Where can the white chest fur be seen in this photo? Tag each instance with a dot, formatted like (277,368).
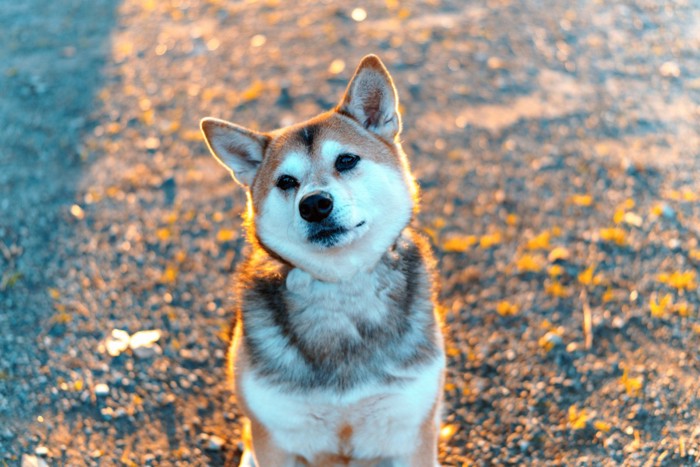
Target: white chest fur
(370,422)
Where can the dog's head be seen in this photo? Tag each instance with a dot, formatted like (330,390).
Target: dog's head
(331,194)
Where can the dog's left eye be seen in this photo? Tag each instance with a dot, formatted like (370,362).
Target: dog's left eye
(346,162)
(285,182)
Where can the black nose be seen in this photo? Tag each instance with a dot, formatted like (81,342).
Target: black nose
(316,206)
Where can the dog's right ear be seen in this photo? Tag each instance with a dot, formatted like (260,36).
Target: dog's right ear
(238,149)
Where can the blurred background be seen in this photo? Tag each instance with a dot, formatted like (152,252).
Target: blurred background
(556,144)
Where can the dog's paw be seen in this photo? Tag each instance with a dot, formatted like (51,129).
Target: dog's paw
(247,460)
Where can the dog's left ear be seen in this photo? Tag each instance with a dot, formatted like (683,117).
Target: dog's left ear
(371,99)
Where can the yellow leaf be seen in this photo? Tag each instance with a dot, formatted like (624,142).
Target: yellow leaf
(577,418)
(602,426)
(54,293)
(581,200)
(529,263)
(555,270)
(169,275)
(607,295)
(512,219)
(660,308)
(505,308)
(439,222)
(225,235)
(688,195)
(459,243)
(586,277)
(163,234)
(657,209)
(555,289)
(695,254)
(619,216)
(540,242)
(613,234)
(253,91)
(489,240)
(633,386)
(78,385)
(558,254)
(191,135)
(679,280)
(683,309)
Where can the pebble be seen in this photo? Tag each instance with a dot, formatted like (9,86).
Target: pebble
(101,390)
(670,70)
(42,451)
(33,461)
(215,443)
(143,344)
(117,342)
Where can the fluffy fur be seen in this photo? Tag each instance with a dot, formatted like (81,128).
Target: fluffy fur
(337,352)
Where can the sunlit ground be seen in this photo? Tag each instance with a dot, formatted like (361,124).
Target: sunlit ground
(557,150)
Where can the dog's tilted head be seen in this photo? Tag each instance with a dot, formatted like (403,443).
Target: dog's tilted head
(331,194)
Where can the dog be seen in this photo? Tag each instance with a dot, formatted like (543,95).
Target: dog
(337,354)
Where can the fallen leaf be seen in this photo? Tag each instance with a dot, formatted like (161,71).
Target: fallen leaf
(581,200)
(577,418)
(632,385)
(529,263)
(660,308)
(505,308)
(459,243)
(613,234)
(540,242)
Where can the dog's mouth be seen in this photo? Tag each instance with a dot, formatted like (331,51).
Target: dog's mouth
(328,236)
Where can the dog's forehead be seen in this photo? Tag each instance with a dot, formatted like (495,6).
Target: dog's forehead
(323,138)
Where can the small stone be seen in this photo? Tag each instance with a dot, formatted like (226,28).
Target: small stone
(101,390)
(107,413)
(215,443)
(670,70)
(96,454)
(33,461)
(42,451)
(668,212)
(117,342)
(143,344)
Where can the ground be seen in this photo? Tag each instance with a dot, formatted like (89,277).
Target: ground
(556,144)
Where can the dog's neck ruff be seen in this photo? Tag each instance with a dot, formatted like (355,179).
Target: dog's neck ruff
(302,333)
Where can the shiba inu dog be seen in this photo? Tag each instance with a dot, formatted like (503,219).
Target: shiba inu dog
(337,356)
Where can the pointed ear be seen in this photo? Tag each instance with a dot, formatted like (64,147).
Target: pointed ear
(371,99)
(238,149)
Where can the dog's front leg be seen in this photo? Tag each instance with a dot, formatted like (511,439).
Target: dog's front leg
(267,453)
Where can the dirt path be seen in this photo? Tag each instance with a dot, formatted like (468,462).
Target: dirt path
(556,148)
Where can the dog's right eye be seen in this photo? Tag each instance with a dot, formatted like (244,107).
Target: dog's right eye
(285,182)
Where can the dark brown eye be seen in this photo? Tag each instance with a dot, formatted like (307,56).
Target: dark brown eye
(286,182)
(346,162)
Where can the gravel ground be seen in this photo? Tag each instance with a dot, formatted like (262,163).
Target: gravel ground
(557,147)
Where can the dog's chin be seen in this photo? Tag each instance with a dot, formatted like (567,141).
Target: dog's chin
(336,236)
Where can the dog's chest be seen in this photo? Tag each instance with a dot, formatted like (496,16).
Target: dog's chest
(375,421)
(327,315)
